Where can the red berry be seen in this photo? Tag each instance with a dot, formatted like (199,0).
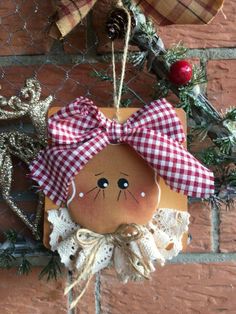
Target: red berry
(181,72)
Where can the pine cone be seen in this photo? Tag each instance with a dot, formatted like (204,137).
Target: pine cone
(116,25)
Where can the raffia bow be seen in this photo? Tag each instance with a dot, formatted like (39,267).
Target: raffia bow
(122,238)
(163,12)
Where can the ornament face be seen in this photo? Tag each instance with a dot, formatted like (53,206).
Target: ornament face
(115,187)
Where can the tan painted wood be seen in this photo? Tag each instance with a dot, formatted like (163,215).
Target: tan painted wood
(169,198)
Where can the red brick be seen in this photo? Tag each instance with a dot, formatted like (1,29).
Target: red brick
(175,289)
(24,27)
(86,304)
(67,82)
(76,41)
(221,83)
(28,294)
(200,227)
(9,220)
(228,230)
(219,33)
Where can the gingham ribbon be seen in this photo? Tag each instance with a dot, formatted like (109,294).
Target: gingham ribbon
(79,131)
(163,12)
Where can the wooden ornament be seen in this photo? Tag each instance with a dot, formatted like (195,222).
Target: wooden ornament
(117,186)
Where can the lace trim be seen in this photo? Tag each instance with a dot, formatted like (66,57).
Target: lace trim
(162,240)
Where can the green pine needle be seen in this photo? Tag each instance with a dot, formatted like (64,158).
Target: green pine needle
(225,144)
(230,179)
(6,258)
(230,114)
(200,132)
(102,75)
(148,28)
(161,89)
(211,156)
(51,271)
(125,102)
(24,267)
(177,52)
(199,76)
(11,235)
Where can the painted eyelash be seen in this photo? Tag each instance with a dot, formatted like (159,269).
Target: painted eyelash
(133,196)
(119,194)
(91,190)
(97,194)
(118,197)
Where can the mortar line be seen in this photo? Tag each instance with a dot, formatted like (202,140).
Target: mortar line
(92,57)
(218,53)
(70,295)
(41,259)
(97,293)
(205,258)
(203,65)
(215,228)
(215,221)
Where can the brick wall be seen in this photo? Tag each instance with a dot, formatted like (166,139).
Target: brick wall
(201,280)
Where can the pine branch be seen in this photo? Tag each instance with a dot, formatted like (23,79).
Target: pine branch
(25,267)
(52,270)
(208,121)
(6,258)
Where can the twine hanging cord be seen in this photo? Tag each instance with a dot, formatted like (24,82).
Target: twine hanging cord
(94,241)
(117,238)
(117,93)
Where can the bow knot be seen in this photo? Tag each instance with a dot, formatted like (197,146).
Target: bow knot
(124,234)
(117,131)
(80,131)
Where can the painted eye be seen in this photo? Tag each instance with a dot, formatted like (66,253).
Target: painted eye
(123,183)
(102,183)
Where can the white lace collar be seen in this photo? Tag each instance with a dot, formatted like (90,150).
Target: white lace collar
(161,241)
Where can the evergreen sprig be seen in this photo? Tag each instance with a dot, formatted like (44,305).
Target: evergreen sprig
(225,144)
(161,88)
(200,131)
(25,266)
(11,236)
(7,258)
(230,114)
(102,75)
(52,270)
(230,178)
(177,52)
(199,76)
(211,156)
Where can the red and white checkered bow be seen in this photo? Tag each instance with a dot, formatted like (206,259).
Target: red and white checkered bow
(79,131)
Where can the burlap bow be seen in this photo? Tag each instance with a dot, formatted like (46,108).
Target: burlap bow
(93,242)
(163,12)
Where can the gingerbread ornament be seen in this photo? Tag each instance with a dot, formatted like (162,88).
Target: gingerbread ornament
(105,177)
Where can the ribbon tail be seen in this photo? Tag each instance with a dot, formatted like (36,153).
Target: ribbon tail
(165,12)
(53,171)
(70,13)
(180,170)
